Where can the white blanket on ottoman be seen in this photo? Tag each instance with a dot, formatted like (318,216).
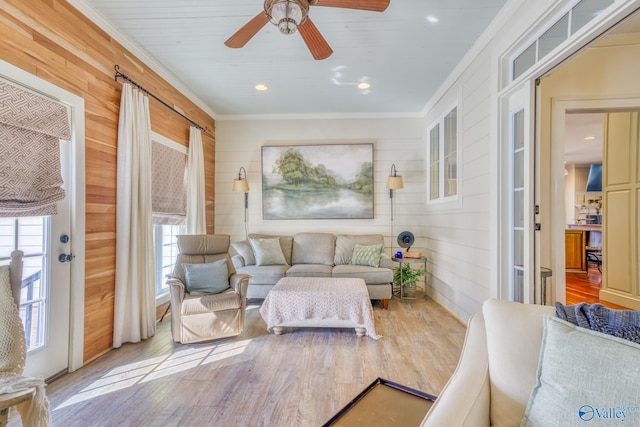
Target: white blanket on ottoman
(317,299)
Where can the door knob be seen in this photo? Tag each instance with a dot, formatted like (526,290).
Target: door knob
(66,257)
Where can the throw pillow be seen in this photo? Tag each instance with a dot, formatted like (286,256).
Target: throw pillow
(366,255)
(267,251)
(208,278)
(584,377)
(244,249)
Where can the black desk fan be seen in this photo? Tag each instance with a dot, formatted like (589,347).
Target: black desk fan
(406,239)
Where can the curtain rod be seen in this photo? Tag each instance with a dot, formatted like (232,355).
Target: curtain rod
(139,86)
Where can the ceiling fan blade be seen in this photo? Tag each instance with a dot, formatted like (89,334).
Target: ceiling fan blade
(318,46)
(250,29)
(372,5)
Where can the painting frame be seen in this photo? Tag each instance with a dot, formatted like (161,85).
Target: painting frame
(317,181)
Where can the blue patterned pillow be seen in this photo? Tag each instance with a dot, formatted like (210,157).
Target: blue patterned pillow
(368,255)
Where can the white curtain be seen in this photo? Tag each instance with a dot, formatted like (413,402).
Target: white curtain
(196,219)
(135,309)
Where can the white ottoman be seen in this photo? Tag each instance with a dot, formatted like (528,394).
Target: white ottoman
(319,302)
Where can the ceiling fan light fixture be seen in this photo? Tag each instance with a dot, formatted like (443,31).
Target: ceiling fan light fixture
(287,15)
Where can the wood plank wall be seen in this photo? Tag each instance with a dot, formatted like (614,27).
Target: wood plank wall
(52,40)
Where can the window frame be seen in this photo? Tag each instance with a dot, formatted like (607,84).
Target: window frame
(440,123)
(159,246)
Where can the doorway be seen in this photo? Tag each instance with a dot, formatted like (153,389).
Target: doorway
(583,162)
(53,291)
(597,79)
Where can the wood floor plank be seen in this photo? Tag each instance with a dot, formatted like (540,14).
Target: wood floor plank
(300,378)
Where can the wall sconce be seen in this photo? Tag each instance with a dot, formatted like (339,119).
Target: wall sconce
(241,185)
(394,182)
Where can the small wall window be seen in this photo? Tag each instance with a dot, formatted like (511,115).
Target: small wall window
(442,158)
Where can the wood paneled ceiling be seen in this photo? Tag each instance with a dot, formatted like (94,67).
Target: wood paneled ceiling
(404,53)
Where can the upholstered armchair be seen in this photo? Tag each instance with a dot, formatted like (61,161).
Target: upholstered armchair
(198,313)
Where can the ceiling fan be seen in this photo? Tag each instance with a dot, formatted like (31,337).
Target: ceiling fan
(292,15)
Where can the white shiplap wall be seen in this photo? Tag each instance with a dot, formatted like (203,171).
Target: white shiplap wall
(458,240)
(399,141)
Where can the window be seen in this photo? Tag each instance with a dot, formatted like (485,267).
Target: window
(442,159)
(165,249)
(169,207)
(579,16)
(29,235)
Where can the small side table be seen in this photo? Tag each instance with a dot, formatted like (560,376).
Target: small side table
(410,261)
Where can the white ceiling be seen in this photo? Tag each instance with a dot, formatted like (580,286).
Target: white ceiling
(579,129)
(399,52)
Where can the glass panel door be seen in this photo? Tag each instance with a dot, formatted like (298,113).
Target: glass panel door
(516,247)
(518,207)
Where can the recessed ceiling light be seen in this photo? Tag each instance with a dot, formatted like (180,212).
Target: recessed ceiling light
(590,138)
(432,19)
(261,87)
(364,85)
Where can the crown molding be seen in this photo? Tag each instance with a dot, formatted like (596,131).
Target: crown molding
(140,54)
(321,116)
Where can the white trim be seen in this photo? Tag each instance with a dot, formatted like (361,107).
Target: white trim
(77,201)
(161,139)
(321,116)
(88,11)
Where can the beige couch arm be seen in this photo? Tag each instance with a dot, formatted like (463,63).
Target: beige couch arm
(239,283)
(465,399)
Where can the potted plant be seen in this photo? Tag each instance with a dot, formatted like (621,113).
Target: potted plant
(407,278)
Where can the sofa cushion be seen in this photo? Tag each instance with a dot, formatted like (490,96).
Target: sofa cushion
(346,242)
(309,270)
(370,275)
(206,279)
(286,243)
(514,336)
(243,248)
(267,251)
(264,275)
(584,377)
(313,248)
(368,255)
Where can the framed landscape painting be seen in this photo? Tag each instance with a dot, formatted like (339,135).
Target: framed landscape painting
(332,181)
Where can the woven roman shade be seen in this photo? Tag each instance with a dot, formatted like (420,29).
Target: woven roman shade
(31,127)
(168,187)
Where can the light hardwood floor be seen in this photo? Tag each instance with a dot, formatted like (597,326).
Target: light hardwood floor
(300,378)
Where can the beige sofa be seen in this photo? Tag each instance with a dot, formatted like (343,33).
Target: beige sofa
(315,255)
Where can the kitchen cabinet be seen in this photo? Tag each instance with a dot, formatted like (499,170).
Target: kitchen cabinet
(574,244)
